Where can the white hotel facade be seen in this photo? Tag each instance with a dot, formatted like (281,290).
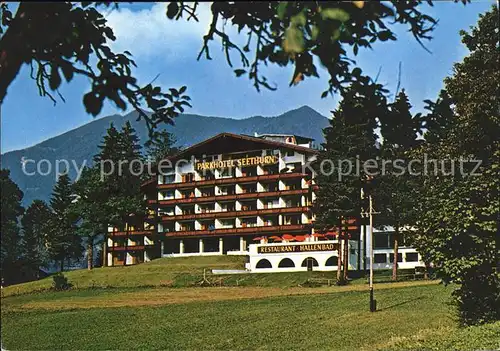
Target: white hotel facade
(241,195)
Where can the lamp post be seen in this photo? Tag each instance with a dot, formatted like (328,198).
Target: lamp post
(373,302)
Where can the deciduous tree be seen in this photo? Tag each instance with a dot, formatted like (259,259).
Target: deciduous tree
(457,211)
(65,39)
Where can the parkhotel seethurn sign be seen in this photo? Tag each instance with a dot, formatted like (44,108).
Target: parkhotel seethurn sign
(247,161)
(297,248)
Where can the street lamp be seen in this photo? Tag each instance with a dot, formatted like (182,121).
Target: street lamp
(373,302)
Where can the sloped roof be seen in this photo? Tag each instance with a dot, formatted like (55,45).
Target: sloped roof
(241,138)
(228,142)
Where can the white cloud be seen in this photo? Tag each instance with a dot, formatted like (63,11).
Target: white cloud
(150,33)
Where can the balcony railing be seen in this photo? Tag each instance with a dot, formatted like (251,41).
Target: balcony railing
(234,196)
(247,230)
(132,232)
(229,214)
(131,247)
(233,180)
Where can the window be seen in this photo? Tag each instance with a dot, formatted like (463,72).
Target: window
(381,241)
(412,257)
(264,264)
(311,261)
(290,153)
(332,261)
(380,258)
(391,257)
(286,263)
(227,173)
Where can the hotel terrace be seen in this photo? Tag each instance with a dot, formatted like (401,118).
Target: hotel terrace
(226,192)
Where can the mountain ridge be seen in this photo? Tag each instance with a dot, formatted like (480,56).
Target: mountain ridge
(80,144)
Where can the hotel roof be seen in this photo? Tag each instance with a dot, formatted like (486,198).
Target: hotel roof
(219,144)
(225,143)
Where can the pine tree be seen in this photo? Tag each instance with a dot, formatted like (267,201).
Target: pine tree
(11,209)
(110,198)
(63,242)
(108,157)
(91,207)
(161,147)
(395,191)
(349,139)
(35,231)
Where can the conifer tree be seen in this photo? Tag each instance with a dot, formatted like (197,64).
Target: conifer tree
(63,242)
(396,188)
(10,239)
(91,208)
(35,231)
(109,192)
(349,139)
(162,147)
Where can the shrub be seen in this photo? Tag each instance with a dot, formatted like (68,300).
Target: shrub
(478,297)
(60,282)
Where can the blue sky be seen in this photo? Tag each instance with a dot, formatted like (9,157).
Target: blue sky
(170,49)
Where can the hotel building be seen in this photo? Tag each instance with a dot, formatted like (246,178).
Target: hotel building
(219,195)
(230,194)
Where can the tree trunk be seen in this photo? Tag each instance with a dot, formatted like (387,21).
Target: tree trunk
(346,256)
(395,260)
(90,252)
(339,252)
(62,264)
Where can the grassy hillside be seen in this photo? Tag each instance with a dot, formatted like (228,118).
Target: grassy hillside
(163,271)
(178,272)
(408,317)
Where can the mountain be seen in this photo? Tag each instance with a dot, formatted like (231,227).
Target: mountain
(80,144)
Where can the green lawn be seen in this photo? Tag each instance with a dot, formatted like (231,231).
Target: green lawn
(175,272)
(409,317)
(164,271)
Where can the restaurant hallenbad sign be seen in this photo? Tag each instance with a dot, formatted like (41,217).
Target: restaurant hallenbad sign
(246,161)
(297,248)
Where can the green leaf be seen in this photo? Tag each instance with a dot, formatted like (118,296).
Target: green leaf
(55,78)
(356,72)
(172,10)
(92,103)
(281,9)
(299,19)
(67,69)
(385,35)
(335,14)
(314,32)
(239,72)
(294,40)
(182,90)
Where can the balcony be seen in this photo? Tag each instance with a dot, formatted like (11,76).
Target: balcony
(131,232)
(246,213)
(131,248)
(233,180)
(234,196)
(272,229)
